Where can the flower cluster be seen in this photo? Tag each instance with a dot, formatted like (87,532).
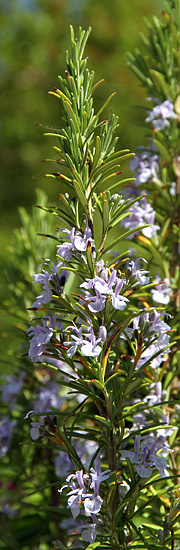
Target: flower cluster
(162,292)
(161,114)
(152,414)
(153,328)
(87,342)
(84,491)
(78,242)
(52,283)
(146,457)
(40,336)
(145,166)
(139,275)
(104,286)
(142,213)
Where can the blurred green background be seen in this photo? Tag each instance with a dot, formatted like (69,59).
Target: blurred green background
(34,35)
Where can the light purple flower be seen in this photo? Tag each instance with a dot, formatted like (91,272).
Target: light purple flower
(162,292)
(150,323)
(77,493)
(92,504)
(87,342)
(145,167)
(152,415)
(152,326)
(147,457)
(89,533)
(156,323)
(77,340)
(142,213)
(97,476)
(148,353)
(161,114)
(102,333)
(139,274)
(119,301)
(80,485)
(95,303)
(40,336)
(78,242)
(104,285)
(52,283)
(91,349)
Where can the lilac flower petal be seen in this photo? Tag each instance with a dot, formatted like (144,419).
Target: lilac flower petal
(92,505)
(89,534)
(90,350)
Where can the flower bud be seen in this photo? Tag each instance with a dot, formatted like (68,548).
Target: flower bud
(102,333)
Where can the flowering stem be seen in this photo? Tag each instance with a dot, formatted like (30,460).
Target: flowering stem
(176,258)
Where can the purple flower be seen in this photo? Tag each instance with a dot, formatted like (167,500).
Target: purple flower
(52,283)
(118,301)
(78,242)
(81,242)
(102,333)
(139,274)
(142,213)
(97,476)
(161,114)
(77,340)
(147,354)
(145,167)
(87,342)
(156,323)
(80,485)
(147,457)
(91,349)
(92,504)
(40,336)
(151,326)
(95,303)
(104,285)
(89,533)
(153,414)
(77,493)
(162,292)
